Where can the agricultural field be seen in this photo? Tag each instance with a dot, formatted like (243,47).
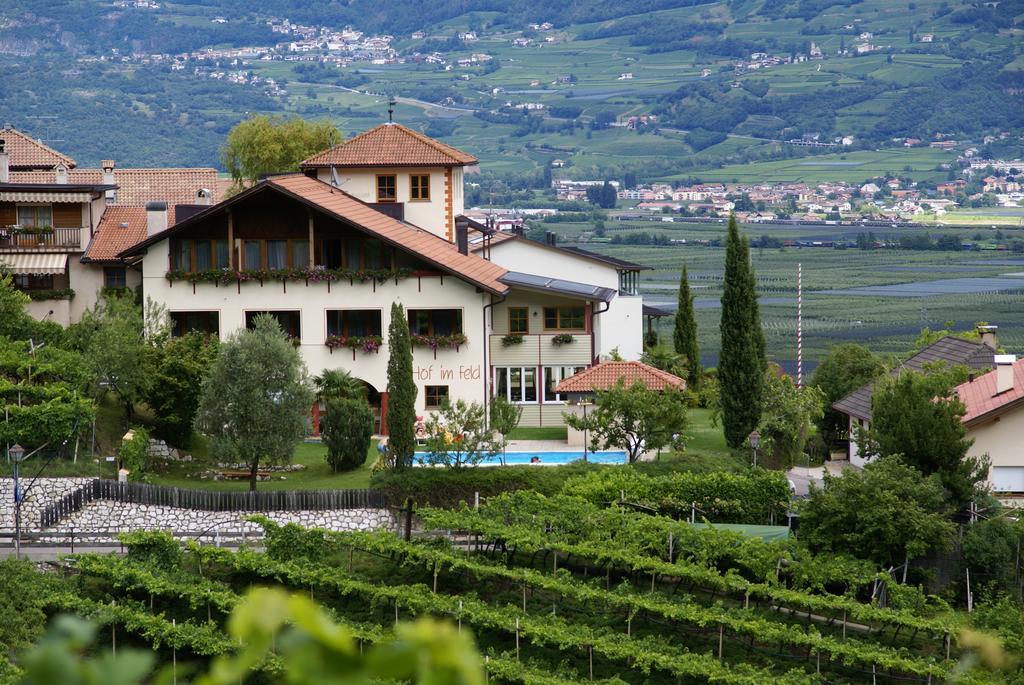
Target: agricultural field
(879,298)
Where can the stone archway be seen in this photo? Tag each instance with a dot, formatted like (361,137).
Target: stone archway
(378,406)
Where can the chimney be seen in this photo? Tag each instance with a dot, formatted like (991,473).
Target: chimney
(1004,372)
(462,236)
(5,163)
(156,217)
(550,238)
(518,230)
(62,174)
(107,165)
(204,196)
(988,336)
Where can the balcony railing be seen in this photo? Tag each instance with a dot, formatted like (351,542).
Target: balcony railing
(20,238)
(396,210)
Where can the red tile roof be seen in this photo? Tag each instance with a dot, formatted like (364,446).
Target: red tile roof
(120,228)
(389,145)
(606,374)
(175,186)
(25,152)
(333,201)
(980,398)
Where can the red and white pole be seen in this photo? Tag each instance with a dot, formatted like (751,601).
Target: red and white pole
(799,327)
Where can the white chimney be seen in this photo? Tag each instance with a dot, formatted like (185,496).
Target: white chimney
(62,174)
(107,165)
(204,196)
(1004,372)
(156,217)
(5,163)
(988,336)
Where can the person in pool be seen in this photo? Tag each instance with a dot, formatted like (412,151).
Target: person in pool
(535,459)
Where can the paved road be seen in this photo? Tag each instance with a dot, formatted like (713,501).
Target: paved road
(48,553)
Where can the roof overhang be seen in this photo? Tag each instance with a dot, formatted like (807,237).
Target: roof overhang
(585,291)
(51,192)
(34,263)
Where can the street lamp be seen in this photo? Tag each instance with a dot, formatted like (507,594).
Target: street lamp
(16,454)
(585,404)
(755,440)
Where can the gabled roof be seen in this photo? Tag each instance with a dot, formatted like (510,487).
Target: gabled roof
(605,375)
(950,349)
(501,237)
(137,186)
(120,228)
(335,202)
(25,152)
(614,261)
(389,145)
(980,398)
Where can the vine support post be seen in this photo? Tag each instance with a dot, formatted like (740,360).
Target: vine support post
(524,596)
(487,670)
(350,558)
(874,676)
(517,639)
(113,633)
(174,656)
(844,624)
(629,625)
(947,645)
(817,654)
(435,579)
(590,650)
(460,615)
(396,611)
(721,640)
(671,544)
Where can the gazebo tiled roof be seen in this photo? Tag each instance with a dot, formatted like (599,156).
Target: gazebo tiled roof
(606,375)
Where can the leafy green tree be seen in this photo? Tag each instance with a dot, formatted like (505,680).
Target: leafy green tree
(742,362)
(633,419)
(505,416)
(845,368)
(887,513)
(256,398)
(15,322)
(401,391)
(263,144)
(347,431)
(684,335)
(134,454)
(918,416)
(787,415)
(989,550)
(180,366)
(457,435)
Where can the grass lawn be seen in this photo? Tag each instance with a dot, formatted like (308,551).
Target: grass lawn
(316,476)
(705,449)
(539,433)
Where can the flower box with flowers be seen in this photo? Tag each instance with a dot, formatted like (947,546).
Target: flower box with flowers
(562,339)
(434,342)
(318,274)
(366,343)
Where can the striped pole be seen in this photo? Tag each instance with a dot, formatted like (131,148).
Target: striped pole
(799,327)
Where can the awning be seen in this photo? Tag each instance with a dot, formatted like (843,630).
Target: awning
(34,263)
(558,286)
(42,196)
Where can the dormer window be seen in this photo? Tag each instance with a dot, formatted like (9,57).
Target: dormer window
(387,188)
(419,187)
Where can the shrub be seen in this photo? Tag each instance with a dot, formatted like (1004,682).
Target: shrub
(134,454)
(347,430)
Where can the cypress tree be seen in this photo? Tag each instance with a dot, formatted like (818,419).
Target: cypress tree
(742,362)
(684,336)
(401,390)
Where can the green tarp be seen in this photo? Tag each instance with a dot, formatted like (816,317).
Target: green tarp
(766,533)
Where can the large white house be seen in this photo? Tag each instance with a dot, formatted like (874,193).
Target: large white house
(377,220)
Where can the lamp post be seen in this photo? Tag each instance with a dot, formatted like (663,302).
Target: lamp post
(755,440)
(585,404)
(16,453)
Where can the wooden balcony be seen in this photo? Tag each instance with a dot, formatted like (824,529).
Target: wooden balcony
(57,238)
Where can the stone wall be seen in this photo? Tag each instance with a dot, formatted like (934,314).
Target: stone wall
(121,516)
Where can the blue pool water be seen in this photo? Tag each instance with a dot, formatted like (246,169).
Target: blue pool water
(548,458)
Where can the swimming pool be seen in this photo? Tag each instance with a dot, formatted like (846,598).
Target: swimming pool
(546,458)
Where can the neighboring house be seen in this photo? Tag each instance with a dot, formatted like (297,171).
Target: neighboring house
(400,172)
(580,388)
(995,421)
(950,350)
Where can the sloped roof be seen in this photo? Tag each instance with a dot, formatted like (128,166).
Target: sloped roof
(120,228)
(605,375)
(322,196)
(26,152)
(558,286)
(950,349)
(137,186)
(501,237)
(614,261)
(981,400)
(389,145)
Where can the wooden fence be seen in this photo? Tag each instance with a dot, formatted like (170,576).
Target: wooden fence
(206,500)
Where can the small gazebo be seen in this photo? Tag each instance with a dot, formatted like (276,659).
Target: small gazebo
(580,388)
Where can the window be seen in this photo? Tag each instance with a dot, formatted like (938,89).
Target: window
(201,322)
(300,254)
(252,252)
(516,383)
(629,282)
(355,253)
(35,215)
(353,322)
(277,254)
(272,254)
(33,281)
(199,255)
(419,187)
(518,320)
(435,321)
(387,188)
(553,375)
(436,395)
(564,318)
(289,320)
(115,277)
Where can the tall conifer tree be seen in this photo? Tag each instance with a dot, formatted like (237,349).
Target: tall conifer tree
(684,336)
(742,363)
(401,415)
